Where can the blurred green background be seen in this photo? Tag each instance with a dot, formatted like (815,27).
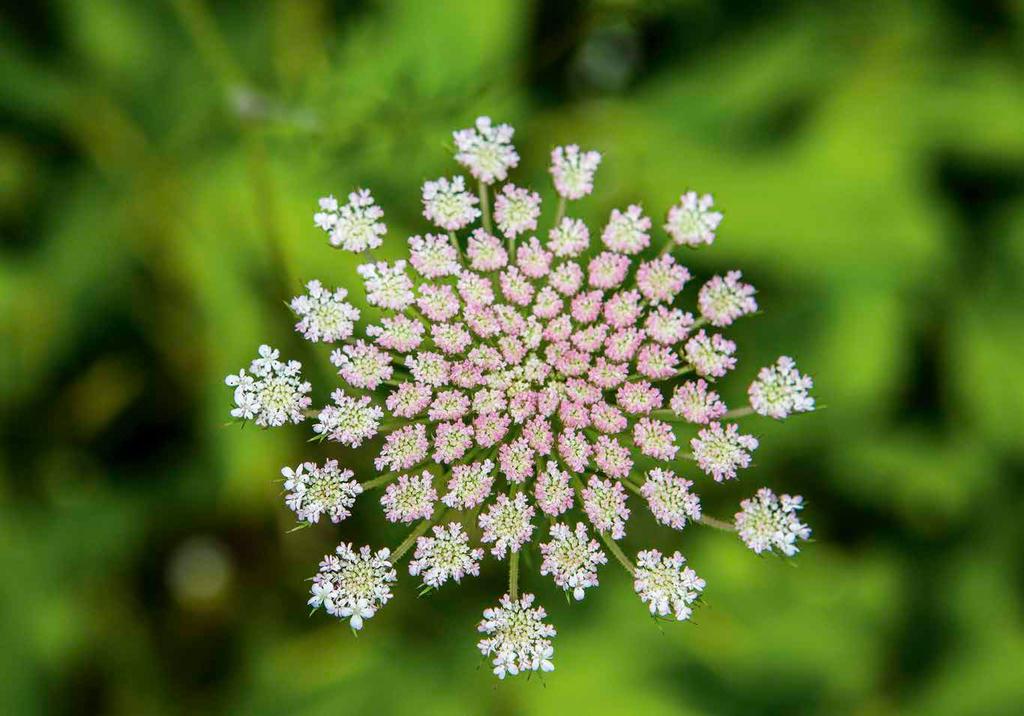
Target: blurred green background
(159,165)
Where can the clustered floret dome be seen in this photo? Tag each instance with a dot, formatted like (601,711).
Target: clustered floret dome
(515,371)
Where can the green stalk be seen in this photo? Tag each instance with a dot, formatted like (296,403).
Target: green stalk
(513,575)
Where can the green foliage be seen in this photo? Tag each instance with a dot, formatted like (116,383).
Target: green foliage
(159,165)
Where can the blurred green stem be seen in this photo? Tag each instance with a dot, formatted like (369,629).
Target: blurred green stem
(485,207)
(717,524)
(560,211)
(513,575)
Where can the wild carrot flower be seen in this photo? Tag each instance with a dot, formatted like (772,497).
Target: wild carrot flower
(695,403)
(313,491)
(723,300)
(573,171)
(486,150)
(353,585)
(324,315)
(781,390)
(354,227)
(691,222)
(446,555)
(571,558)
(670,499)
(767,522)
(517,637)
(511,366)
(272,393)
(448,204)
(665,585)
(719,452)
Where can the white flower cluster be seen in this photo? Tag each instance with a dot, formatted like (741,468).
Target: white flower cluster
(518,639)
(272,393)
(355,226)
(781,390)
(446,555)
(767,522)
(665,585)
(353,585)
(313,491)
(324,315)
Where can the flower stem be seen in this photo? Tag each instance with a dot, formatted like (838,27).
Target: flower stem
(618,553)
(513,575)
(378,481)
(409,541)
(739,413)
(717,524)
(633,488)
(560,211)
(485,207)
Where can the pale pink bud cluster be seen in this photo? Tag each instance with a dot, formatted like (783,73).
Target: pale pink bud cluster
(691,222)
(573,171)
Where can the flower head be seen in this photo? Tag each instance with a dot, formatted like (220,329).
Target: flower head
(569,239)
(518,639)
(448,204)
(470,485)
(446,555)
(723,300)
(362,365)
(324,315)
(720,452)
(387,286)
(433,256)
(410,498)
(349,421)
(711,357)
(781,390)
(530,371)
(571,558)
(553,492)
(573,171)
(516,210)
(691,222)
(665,585)
(354,227)
(604,502)
(507,524)
(272,393)
(313,491)
(486,150)
(353,585)
(627,231)
(670,499)
(693,402)
(766,522)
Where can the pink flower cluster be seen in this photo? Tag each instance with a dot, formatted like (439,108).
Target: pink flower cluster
(508,368)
